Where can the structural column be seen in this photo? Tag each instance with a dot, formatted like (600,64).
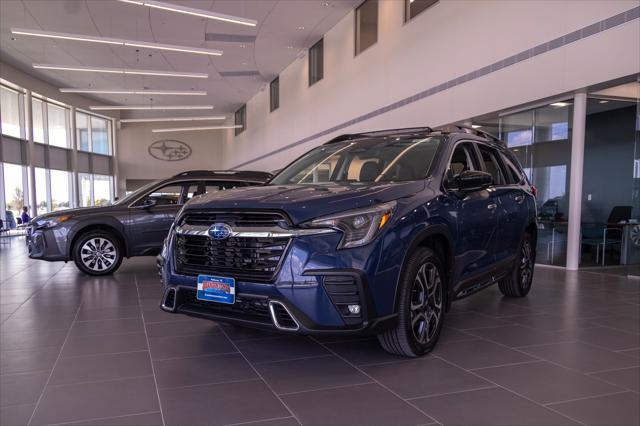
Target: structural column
(31,153)
(575,180)
(75,189)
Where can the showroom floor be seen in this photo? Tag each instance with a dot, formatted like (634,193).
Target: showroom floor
(98,351)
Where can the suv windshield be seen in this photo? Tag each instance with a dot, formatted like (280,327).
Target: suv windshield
(375,159)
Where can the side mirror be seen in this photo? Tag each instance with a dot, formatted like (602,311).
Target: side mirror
(148,203)
(472,180)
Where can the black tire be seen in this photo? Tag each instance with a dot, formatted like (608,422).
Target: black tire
(419,319)
(97,253)
(518,282)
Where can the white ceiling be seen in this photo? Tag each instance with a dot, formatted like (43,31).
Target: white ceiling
(278,40)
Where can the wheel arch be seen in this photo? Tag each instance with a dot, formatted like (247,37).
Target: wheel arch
(88,227)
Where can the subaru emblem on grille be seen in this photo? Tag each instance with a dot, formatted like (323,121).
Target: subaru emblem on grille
(219,231)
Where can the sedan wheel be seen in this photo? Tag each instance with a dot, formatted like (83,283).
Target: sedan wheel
(97,253)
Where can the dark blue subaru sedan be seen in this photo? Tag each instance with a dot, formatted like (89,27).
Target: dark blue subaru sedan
(369,233)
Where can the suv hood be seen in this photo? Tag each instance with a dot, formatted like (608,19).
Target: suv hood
(305,202)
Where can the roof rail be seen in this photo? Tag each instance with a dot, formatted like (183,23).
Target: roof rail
(471,131)
(402,131)
(247,173)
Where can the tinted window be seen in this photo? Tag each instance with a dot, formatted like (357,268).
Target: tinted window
(462,160)
(214,186)
(374,159)
(514,174)
(492,164)
(170,194)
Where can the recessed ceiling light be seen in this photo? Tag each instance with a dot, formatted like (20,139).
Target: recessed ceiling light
(194,12)
(301,27)
(120,71)
(162,119)
(152,107)
(603,101)
(189,129)
(136,92)
(326,4)
(242,46)
(289,47)
(475,126)
(560,104)
(115,41)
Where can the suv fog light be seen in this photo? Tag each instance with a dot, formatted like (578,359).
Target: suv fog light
(354,309)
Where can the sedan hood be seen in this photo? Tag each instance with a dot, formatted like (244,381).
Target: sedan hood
(305,202)
(80,211)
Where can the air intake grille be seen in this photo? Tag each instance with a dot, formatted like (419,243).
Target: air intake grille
(253,309)
(343,291)
(235,219)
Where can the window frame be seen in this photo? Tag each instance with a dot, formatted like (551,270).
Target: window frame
(475,160)
(357,27)
(184,184)
(240,115)
(407,10)
(317,64)
(498,159)
(274,94)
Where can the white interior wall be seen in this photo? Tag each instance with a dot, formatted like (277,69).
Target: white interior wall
(135,162)
(448,40)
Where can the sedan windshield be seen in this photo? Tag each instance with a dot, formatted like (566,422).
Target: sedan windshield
(135,194)
(367,160)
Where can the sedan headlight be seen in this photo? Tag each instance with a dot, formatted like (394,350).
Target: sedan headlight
(49,222)
(359,226)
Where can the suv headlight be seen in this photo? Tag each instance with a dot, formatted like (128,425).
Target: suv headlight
(359,226)
(49,222)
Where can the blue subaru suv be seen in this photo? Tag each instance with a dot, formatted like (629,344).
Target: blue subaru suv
(369,233)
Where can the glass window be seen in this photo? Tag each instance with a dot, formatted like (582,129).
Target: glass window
(462,160)
(41,190)
(316,62)
(99,136)
(101,190)
(85,189)
(274,94)
(82,131)
(13,191)
(10,106)
(415,7)
(215,186)
(192,191)
(166,195)
(38,120)
(60,190)
(240,119)
(374,159)
(57,125)
(492,165)
(366,25)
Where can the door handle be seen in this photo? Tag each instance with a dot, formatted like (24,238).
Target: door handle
(492,206)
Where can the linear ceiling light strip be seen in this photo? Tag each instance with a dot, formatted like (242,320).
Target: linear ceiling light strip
(163,119)
(120,71)
(190,129)
(149,107)
(115,41)
(135,92)
(193,12)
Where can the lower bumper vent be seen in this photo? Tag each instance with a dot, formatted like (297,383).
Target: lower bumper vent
(281,316)
(344,292)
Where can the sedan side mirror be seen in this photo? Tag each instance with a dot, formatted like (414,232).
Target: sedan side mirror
(472,180)
(148,203)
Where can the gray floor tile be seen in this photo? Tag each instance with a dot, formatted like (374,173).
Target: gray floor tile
(546,383)
(220,404)
(189,327)
(67,403)
(608,338)
(115,312)
(147,419)
(181,346)
(368,404)
(423,377)
(28,360)
(471,354)
(495,406)
(202,370)
(581,356)
(16,415)
(246,333)
(23,388)
(109,326)
(281,348)
(286,421)
(363,352)
(309,374)
(628,378)
(551,322)
(469,320)
(619,410)
(101,367)
(103,344)
(517,335)
(32,340)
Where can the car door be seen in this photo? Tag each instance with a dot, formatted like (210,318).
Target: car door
(507,198)
(151,215)
(476,219)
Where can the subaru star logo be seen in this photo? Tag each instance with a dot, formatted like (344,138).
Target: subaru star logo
(220,231)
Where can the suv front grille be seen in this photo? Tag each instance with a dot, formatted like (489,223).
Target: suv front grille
(250,258)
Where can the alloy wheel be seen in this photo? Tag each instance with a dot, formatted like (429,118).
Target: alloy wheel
(426,303)
(526,265)
(98,254)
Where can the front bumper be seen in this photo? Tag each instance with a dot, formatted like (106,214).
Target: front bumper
(310,295)
(46,244)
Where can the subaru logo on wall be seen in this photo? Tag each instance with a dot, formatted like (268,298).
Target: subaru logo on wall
(169,150)
(219,231)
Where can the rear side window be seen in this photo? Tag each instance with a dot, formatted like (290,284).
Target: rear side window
(492,165)
(514,173)
(215,186)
